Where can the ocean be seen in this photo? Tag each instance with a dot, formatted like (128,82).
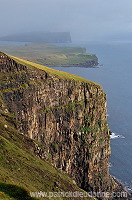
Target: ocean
(116,78)
(115,75)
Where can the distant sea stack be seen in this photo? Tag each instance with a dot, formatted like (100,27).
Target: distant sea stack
(49,37)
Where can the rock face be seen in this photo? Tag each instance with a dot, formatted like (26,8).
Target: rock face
(68,117)
(90,63)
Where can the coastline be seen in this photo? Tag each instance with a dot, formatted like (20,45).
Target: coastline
(122,190)
(52,56)
(87,64)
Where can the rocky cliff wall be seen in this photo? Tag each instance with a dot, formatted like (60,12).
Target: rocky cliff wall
(90,63)
(68,117)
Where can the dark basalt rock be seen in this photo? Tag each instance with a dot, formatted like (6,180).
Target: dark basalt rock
(87,64)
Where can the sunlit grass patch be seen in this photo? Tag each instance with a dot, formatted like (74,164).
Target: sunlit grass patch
(49,70)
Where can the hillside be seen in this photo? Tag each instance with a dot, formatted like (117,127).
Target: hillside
(51,55)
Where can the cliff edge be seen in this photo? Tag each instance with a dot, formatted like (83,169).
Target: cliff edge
(66,114)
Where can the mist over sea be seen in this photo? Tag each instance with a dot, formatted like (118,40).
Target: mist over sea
(116,78)
(10,43)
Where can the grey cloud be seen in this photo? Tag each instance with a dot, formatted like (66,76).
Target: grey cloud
(83,18)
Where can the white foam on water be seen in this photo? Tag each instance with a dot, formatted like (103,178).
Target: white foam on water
(128,187)
(114,136)
(109,165)
(107,115)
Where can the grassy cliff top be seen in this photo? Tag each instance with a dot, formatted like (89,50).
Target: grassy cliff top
(50,55)
(60,74)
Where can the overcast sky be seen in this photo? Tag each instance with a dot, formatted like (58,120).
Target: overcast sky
(84,19)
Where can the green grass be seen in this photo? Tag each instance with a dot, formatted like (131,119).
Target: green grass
(50,55)
(43,48)
(14,192)
(69,106)
(60,74)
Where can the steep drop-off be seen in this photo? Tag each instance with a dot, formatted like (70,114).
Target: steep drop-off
(67,115)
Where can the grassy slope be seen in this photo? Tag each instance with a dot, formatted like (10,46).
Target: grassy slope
(60,74)
(20,170)
(46,54)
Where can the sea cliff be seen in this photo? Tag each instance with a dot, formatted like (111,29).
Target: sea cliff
(52,55)
(66,115)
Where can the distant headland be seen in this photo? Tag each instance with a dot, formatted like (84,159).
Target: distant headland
(49,37)
(52,55)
